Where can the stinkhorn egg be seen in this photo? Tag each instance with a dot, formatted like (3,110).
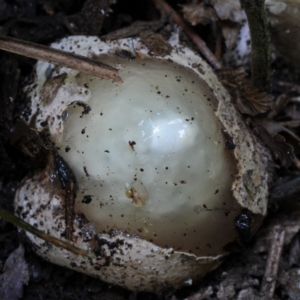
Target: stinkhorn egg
(166,168)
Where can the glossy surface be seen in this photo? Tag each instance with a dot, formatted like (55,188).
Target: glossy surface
(152,155)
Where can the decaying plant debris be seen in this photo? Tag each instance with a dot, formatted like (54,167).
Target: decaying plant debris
(268,266)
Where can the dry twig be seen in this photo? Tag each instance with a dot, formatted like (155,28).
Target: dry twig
(165,8)
(269,280)
(66,59)
(9,217)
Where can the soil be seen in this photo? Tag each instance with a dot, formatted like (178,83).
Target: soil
(244,274)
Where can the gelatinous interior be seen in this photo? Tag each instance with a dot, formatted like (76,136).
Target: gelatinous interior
(150,157)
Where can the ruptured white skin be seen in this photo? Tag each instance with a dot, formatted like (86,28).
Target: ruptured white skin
(151,156)
(240,55)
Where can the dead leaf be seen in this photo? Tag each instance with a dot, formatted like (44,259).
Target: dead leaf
(292,111)
(15,275)
(199,13)
(228,10)
(274,128)
(280,103)
(156,43)
(226,291)
(248,293)
(281,150)
(290,124)
(50,88)
(249,100)
(134,29)
(230,33)
(286,189)
(291,281)
(202,294)
(294,253)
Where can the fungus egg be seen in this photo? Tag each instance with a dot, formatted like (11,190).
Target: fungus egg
(166,169)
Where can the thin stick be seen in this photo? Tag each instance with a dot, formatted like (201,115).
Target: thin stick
(218,50)
(9,217)
(269,280)
(167,9)
(66,59)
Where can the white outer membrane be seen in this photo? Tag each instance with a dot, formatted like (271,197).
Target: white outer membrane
(176,154)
